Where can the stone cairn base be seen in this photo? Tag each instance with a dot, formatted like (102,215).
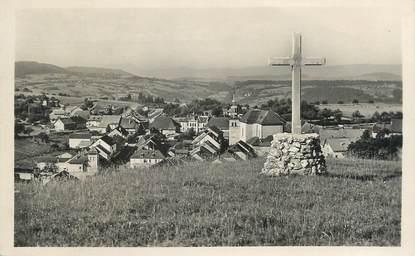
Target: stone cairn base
(295,154)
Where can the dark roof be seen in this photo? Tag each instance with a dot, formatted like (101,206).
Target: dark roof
(128,123)
(220,122)
(80,136)
(164,123)
(123,131)
(147,154)
(353,134)
(107,139)
(216,130)
(263,117)
(47,159)
(254,141)
(244,148)
(257,142)
(78,119)
(78,160)
(101,148)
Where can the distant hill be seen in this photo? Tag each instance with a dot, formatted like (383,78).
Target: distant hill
(98,71)
(338,72)
(23,68)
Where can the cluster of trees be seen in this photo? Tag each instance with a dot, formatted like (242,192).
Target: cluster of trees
(21,107)
(196,106)
(381,147)
(144,99)
(385,117)
(308,111)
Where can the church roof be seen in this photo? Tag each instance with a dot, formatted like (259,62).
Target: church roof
(164,123)
(220,122)
(263,117)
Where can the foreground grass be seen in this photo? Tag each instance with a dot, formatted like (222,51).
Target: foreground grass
(359,203)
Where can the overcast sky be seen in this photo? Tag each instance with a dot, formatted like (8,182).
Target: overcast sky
(205,38)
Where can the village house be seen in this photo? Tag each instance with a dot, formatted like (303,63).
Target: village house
(79,140)
(106,146)
(208,144)
(153,114)
(255,123)
(242,151)
(392,128)
(46,163)
(51,102)
(119,131)
(145,158)
(71,123)
(58,113)
(260,146)
(131,125)
(222,123)
(80,112)
(107,122)
(335,147)
(93,121)
(23,174)
(334,142)
(166,126)
(197,123)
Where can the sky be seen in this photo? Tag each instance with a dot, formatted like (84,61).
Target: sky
(157,38)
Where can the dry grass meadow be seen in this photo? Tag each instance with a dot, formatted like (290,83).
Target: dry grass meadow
(358,203)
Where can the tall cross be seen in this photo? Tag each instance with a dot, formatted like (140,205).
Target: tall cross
(296,61)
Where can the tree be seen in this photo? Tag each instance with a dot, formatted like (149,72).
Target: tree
(43,137)
(337,115)
(326,113)
(355,101)
(217,111)
(324,102)
(340,102)
(357,114)
(375,117)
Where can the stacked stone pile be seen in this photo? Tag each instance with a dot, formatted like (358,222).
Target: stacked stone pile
(295,154)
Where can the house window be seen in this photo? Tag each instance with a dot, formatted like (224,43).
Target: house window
(145,160)
(149,160)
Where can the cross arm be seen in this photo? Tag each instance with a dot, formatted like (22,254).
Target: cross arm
(279,61)
(313,61)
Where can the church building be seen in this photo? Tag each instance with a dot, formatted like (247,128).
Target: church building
(255,123)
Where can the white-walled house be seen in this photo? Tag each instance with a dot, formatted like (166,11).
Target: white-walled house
(144,158)
(259,123)
(71,123)
(106,147)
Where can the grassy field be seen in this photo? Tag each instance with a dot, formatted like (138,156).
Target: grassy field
(358,203)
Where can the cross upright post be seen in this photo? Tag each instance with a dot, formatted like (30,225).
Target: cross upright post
(296,61)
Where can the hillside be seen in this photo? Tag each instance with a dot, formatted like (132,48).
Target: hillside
(328,72)
(199,204)
(256,92)
(98,71)
(23,68)
(114,83)
(111,83)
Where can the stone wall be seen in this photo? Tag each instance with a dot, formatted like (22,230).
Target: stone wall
(295,154)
